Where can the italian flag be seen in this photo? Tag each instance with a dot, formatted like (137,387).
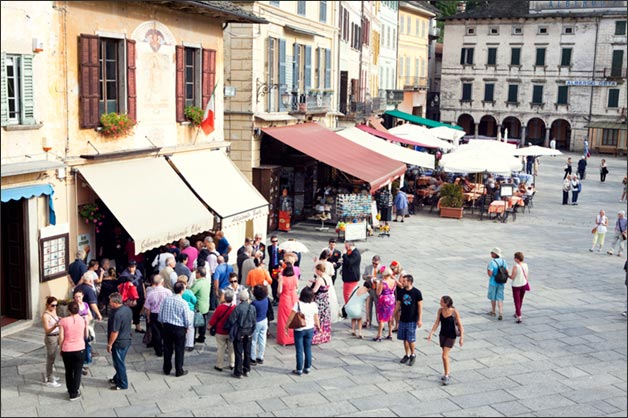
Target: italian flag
(207,124)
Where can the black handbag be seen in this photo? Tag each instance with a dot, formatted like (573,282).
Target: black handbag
(212,329)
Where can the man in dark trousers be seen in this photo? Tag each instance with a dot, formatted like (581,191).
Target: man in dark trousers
(119,339)
(275,257)
(241,324)
(350,269)
(582,167)
(174,317)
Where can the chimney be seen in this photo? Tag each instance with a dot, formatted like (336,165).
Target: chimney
(462,7)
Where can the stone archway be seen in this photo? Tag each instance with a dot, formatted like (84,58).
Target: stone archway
(488,126)
(466,122)
(561,131)
(514,127)
(535,132)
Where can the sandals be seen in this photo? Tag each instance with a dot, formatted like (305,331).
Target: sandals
(378,339)
(389,337)
(491,313)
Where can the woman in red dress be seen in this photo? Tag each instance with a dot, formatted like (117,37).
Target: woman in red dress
(287,289)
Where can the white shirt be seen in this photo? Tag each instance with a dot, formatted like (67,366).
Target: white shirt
(161,259)
(309,310)
(601,223)
(520,278)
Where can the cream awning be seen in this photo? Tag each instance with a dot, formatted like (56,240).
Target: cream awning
(396,152)
(149,199)
(221,185)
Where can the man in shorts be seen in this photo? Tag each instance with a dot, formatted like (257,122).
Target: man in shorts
(409,307)
(496,290)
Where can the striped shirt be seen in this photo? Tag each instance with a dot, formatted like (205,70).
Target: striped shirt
(174,311)
(155,298)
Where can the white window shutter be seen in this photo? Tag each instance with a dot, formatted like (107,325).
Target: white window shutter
(4,99)
(27,95)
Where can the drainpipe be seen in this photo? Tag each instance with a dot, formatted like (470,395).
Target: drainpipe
(597,30)
(362,37)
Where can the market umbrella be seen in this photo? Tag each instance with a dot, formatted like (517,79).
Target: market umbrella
(292,245)
(419,134)
(481,156)
(448,134)
(537,150)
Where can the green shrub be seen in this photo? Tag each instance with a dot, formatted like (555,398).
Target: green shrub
(116,124)
(194,115)
(452,196)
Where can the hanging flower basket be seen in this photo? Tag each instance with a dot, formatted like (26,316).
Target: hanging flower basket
(91,214)
(116,125)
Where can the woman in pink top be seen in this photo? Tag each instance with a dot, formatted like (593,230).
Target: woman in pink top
(287,290)
(72,335)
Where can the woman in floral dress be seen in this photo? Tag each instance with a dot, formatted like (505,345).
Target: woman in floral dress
(320,286)
(385,303)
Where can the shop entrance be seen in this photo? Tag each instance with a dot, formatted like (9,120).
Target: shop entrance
(13,275)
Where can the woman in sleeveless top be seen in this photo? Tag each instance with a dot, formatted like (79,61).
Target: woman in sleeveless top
(86,313)
(385,304)
(519,277)
(50,322)
(449,318)
(320,286)
(287,290)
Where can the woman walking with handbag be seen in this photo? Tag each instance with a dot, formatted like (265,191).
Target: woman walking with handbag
(307,310)
(599,231)
(451,327)
(520,285)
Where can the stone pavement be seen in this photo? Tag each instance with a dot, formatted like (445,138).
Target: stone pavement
(567,358)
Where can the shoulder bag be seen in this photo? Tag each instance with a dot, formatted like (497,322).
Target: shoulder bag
(213,328)
(527,286)
(298,321)
(343,312)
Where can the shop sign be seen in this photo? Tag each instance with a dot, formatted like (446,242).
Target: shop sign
(591,83)
(245,216)
(153,242)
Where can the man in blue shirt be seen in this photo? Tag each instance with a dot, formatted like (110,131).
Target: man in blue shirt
(77,268)
(496,290)
(223,246)
(221,276)
(173,315)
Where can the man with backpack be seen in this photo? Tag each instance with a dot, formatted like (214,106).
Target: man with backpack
(241,325)
(497,271)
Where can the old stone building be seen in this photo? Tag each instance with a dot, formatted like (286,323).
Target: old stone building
(537,71)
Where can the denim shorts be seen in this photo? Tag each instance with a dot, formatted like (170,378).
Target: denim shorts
(496,292)
(406,331)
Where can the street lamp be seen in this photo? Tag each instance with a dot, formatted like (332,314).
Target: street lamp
(263,88)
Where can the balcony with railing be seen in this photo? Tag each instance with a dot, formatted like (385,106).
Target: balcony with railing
(414,83)
(315,102)
(615,72)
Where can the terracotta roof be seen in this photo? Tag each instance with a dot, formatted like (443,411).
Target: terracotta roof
(221,11)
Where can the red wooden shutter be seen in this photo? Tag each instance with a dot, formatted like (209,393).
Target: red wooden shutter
(89,84)
(130,80)
(209,74)
(180,83)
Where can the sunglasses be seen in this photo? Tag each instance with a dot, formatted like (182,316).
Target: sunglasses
(53,305)
(274,241)
(233,281)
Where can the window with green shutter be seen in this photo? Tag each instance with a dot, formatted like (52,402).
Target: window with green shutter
(492,56)
(537,95)
(620,27)
(565,57)
(489,89)
(466,92)
(513,90)
(17,91)
(540,57)
(563,92)
(613,98)
(515,57)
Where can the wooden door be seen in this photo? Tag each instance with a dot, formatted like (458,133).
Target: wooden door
(13,273)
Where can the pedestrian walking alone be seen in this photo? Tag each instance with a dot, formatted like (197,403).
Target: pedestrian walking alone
(119,339)
(567,168)
(599,231)
(603,170)
(449,319)
(582,167)
(620,234)
(520,285)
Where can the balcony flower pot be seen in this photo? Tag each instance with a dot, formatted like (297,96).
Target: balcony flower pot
(451,201)
(194,114)
(116,125)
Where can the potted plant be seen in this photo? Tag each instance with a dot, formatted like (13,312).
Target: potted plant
(194,114)
(116,124)
(451,201)
(91,214)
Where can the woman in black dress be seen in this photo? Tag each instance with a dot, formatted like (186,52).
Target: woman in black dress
(451,327)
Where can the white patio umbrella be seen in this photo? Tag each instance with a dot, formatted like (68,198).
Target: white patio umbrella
(537,150)
(420,134)
(448,134)
(292,245)
(479,161)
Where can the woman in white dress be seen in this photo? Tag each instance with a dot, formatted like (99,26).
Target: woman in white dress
(333,298)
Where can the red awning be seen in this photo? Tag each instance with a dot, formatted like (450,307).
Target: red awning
(325,146)
(391,137)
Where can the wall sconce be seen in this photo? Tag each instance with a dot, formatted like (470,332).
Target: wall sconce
(263,88)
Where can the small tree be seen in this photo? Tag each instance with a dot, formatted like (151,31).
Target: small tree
(452,196)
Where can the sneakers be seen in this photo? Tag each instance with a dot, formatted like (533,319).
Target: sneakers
(500,317)
(590,250)
(404,359)
(53,384)
(624,313)
(609,252)
(306,371)
(446,381)
(412,360)
(116,387)
(51,379)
